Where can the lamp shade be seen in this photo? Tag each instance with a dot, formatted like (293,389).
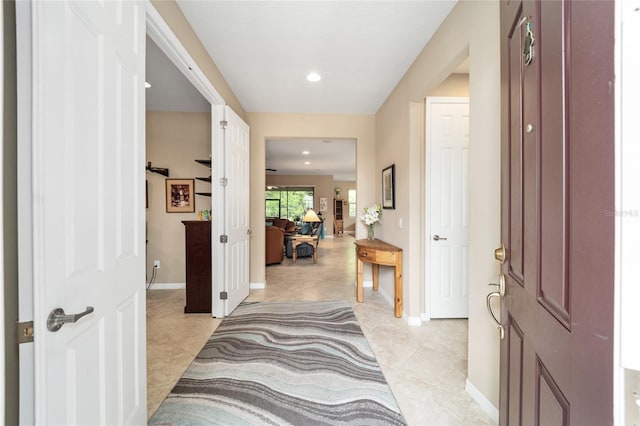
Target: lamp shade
(310,216)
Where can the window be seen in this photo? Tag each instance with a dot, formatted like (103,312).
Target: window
(272,207)
(288,202)
(352,203)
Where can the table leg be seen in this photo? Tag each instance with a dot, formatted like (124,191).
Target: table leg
(359,290)
(295,251)
(397,309)
(375,268)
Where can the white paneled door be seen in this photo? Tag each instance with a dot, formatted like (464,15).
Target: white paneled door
(236,146)
(88,211)
(448,207)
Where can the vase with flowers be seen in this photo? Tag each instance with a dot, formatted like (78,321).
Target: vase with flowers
(370,217)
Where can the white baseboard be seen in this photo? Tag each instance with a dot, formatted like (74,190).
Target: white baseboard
(367,284)
(414,321)
(257,286)
(425,317)
(482,400)
(167,286)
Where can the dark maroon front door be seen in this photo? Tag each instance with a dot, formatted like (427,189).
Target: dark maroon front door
(557,203)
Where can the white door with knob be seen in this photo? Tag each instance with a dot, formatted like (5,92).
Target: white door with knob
(88,211)
(448,207)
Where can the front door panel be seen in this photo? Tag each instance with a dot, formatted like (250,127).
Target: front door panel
(551,300)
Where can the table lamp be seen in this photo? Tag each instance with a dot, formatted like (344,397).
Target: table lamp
(311,216)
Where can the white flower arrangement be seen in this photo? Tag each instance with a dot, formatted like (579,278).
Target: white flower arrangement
(371,214)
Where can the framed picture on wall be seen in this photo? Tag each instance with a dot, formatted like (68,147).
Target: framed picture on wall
(389,187)
(323,204)
(180,196)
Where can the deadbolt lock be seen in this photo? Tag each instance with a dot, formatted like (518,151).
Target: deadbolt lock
(500,254)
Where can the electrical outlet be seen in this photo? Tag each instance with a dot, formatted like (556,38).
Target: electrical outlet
(156,264)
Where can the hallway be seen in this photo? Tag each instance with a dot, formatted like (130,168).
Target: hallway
(425,366)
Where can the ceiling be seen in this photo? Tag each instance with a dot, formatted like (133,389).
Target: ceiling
(264,49)
(170,90)
(326,156)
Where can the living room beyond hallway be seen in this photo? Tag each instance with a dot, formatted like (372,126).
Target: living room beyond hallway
(426,366)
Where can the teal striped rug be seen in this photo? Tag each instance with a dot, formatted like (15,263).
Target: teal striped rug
(289,363)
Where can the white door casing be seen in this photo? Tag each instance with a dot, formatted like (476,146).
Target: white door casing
(627,216)
(2,345)
(448,207)
(88,226)
(236,147)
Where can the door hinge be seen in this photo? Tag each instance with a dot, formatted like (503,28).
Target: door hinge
(224,239)
(224,181)
(224,295)
(25,331)
(224,124)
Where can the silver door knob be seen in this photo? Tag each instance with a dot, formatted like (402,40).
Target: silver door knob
(438,238)
(57,318)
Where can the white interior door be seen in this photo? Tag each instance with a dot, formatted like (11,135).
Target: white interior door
(236,143)
(88,205)
(448,207)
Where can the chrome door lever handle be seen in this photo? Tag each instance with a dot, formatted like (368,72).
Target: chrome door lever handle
(57,318)
(438,238)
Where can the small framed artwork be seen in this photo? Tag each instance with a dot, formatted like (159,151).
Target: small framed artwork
(180,196)
(323,204)
(389,187)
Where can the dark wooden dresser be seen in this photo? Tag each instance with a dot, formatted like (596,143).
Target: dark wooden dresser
(198,266)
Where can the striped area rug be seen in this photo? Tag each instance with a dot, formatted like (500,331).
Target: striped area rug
(293,363)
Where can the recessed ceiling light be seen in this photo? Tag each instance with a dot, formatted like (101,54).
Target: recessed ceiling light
(314,77)
(147,85)
(305,152)
(307,162)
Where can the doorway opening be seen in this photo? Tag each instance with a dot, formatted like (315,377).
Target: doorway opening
(328,165)
(446,194)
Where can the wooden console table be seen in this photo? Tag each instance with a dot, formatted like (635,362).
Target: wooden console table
(377,252)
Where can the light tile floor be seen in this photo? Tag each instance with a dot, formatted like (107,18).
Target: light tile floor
(425,366)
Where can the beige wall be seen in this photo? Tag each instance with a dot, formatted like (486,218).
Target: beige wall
(471,29)
(173,16)
(174,141)
(323,185)
(281,125)
(456,85)
(349,222)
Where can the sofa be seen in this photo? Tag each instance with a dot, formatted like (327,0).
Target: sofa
(274,244)
(285,224)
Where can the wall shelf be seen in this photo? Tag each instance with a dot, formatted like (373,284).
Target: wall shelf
(204,179)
